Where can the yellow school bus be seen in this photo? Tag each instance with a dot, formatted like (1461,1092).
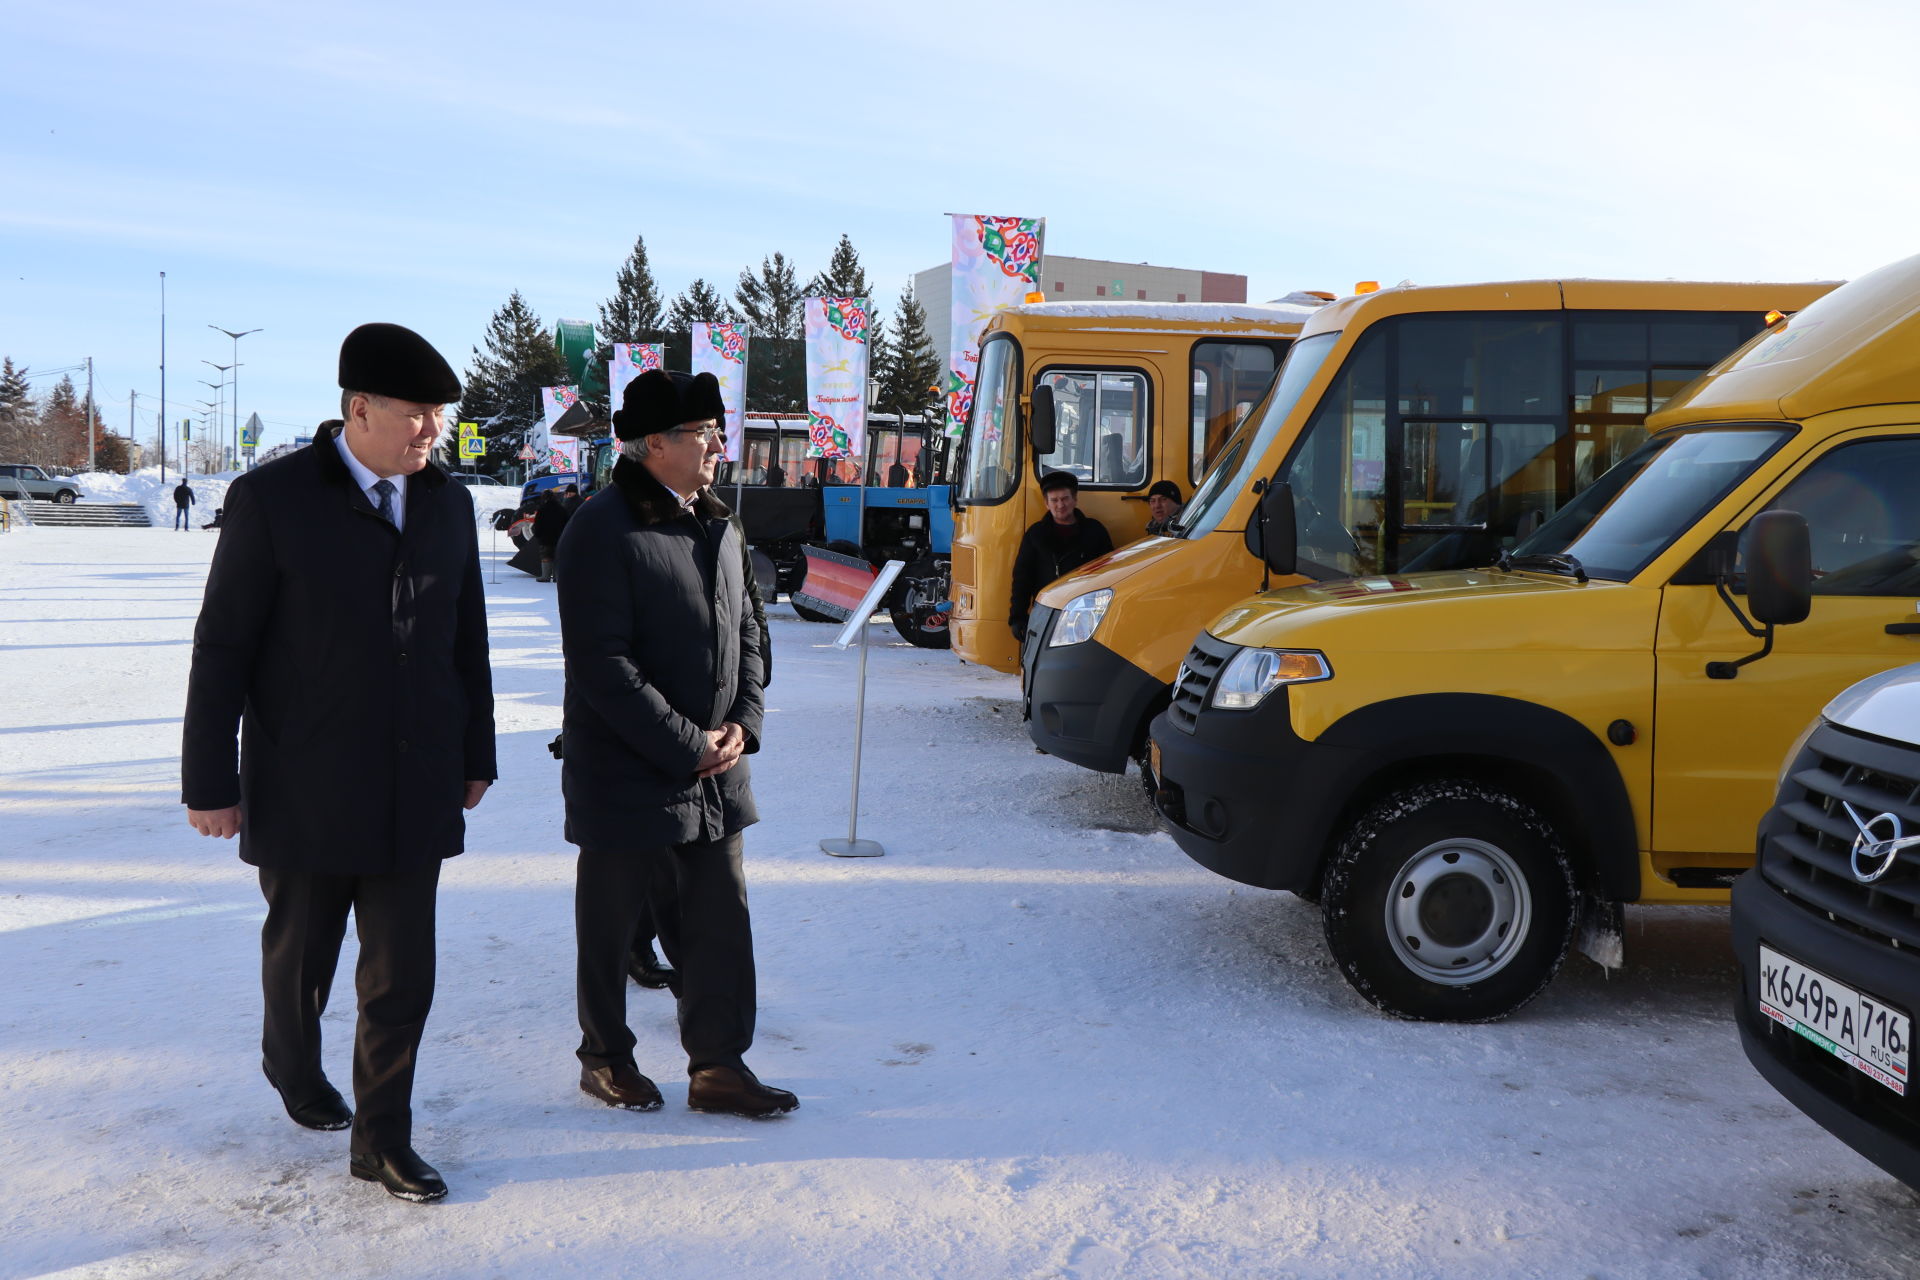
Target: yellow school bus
(1437,424)
(1135,392)
(1463,766)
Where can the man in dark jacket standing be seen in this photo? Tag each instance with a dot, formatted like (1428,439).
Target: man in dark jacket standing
(182,499)
(549,522)
(344,631)
(663,702)
(1054,545)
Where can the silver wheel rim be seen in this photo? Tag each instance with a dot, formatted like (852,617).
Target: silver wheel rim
(1458,911)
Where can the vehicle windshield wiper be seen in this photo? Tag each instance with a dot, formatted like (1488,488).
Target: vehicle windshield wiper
(1551,561)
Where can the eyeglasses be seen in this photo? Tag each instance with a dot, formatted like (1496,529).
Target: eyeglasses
(706,435)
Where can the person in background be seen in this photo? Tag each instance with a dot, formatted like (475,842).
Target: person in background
(572,500)
(344,633)
(548,524)
(182,499)
(1057,543)
(1163,507)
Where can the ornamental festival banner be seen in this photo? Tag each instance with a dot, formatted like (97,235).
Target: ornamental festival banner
(630,360)
(837,355)
(996,263)
(721,350)
(554,402)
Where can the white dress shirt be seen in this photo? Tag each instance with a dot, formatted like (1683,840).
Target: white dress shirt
(366,480)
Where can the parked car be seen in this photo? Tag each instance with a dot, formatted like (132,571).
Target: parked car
(490,495)
(1824,926)
(24,480)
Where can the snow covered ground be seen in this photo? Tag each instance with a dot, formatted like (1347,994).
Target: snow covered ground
(1033,1040)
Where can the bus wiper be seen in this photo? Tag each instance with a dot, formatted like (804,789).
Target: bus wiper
(1551,561)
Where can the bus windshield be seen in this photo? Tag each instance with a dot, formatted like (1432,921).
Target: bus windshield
(992,459)
(1242,454)
(1636,510)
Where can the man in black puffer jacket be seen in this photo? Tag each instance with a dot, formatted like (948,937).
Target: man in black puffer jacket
(663,703)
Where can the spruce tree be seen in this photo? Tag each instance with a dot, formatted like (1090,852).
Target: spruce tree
(635,312)
(503,382)
(771,303)
(17,416)
(701,302)
(844,276)
(910,377)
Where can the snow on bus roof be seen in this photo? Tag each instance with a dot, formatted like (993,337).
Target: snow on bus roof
(1295,306)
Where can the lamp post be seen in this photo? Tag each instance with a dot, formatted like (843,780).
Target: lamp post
(210,411)
(219,427)
(236,335)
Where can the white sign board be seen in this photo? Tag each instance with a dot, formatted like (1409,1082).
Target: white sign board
(857,621)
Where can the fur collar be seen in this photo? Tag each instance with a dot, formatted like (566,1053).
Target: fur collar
(653,503)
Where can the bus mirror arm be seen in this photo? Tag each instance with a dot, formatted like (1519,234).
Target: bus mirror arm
(1040,428)
(1779,583)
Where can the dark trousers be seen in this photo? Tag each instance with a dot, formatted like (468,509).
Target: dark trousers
(181,520)
(299,947)
(697,895)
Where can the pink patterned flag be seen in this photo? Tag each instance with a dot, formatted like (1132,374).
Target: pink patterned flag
(721,349)
(837,358)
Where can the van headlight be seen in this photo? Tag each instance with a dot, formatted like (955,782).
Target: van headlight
(1080,618)
(1251,674)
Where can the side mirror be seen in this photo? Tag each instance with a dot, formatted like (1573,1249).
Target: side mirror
(1271,534)
(1779,568)
(1040,427)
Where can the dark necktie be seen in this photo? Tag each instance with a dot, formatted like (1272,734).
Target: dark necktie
(383,504)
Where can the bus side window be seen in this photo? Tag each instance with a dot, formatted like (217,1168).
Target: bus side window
(1228,378)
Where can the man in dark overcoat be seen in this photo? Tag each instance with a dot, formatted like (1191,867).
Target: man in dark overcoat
(663,704)
(344,632)
(1053,546)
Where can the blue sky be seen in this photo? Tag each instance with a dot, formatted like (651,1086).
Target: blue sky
(303,169)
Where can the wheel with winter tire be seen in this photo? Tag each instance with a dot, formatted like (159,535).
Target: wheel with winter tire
(66,496)
(921,586)
(1449,901)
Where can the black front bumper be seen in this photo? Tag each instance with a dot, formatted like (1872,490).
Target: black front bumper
(1247,798)
(1867,1116)
(1085,703)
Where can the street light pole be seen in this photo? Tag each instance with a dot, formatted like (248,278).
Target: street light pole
(218,425)
(236,336)
(163,377)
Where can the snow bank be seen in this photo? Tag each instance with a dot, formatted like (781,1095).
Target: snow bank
(147,488)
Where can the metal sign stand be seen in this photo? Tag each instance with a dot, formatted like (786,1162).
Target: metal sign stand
(856,631)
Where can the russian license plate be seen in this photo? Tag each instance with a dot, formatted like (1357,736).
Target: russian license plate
(1153,761)
(1861,1030)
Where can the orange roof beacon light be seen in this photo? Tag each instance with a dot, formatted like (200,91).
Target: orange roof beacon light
(1774,317)
(1367,286)
(1036,296)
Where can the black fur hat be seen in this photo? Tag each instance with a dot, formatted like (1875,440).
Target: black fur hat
(391,360)
(1059,480)
(660,401)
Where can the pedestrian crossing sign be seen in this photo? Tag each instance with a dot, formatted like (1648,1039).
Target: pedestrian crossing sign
(471,445)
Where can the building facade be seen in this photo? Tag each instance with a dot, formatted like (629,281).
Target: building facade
(1064,279)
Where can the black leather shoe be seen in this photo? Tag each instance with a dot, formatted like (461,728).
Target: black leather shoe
(621,1087)
(646,969)
(405,1175)
(324,1110)
(736,1093)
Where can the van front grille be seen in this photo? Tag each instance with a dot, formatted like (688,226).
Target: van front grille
(1808,849)
(1194,681)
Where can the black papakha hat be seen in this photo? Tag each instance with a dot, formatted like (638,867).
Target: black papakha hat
(1166,489)
(660,401)
(392,360)
(1059,480)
